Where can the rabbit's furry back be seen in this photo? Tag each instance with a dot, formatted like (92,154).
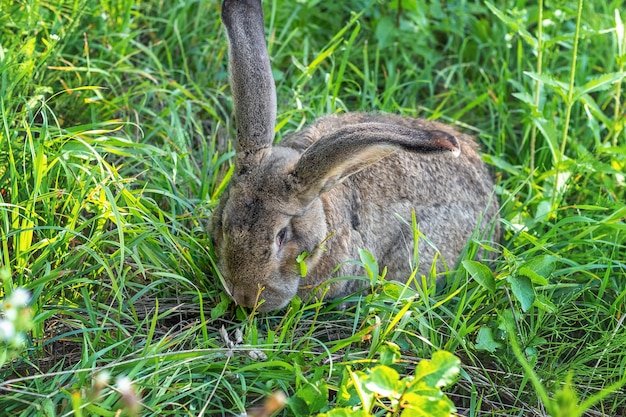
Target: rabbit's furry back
(343,183)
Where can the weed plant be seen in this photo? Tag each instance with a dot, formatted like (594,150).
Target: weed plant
(114,126)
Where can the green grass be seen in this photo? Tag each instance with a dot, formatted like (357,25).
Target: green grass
(114,126)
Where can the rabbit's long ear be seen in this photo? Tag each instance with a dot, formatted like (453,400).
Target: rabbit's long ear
(251,78)
(350,149)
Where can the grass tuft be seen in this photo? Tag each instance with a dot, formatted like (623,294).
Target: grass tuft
(114,150)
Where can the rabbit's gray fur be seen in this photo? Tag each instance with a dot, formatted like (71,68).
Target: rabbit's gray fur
(324,191)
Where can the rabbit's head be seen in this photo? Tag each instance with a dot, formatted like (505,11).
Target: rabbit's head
(274,208)
(259,230)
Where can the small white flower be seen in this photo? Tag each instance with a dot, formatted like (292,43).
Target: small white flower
(20,297)
(100,381)
(508,38)
(124,384)
(10,312)
(19,341)
(7,330)
(129,396)
(12,305)
(54,37)
(558,13)
(547,22)
(102,378)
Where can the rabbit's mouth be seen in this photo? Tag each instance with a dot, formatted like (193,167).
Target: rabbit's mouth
(264,298)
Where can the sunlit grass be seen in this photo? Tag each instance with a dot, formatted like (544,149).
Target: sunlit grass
(114,127)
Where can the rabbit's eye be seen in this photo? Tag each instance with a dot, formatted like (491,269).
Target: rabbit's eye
(280,237)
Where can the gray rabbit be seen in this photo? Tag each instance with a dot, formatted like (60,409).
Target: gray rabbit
(340,184)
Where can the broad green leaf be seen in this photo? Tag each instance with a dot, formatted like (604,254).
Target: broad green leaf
(544,303)
(538,269)
(389,353)
(295,303)
(534,277)
(603,82)
(385,30)
(485,340)
(595,110)
(438,372)
(526,98)
(384,381)
(345,412)
(406,5)
(422,405)
(506,322)
(481,274)
(346,392)
(558,86)
(221,307)
(303,269)
(532,354)
(523,291)
(544,210)
(370,264)
(309,399)
(359,379)
(301,260)
(298,406)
